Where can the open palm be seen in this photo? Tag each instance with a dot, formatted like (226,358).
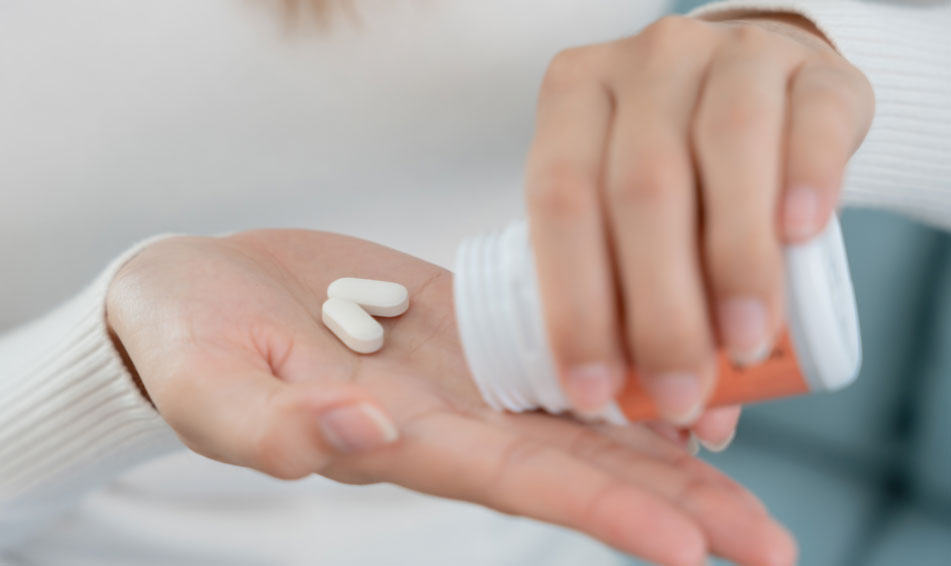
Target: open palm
(224,334)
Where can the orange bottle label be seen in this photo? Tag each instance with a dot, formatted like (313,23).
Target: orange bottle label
(778,376)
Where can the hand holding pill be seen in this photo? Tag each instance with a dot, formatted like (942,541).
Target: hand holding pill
(247,374)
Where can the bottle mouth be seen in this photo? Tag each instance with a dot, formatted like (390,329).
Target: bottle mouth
(501,325)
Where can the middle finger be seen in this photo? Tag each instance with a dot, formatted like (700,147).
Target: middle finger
(651,192)
(738,142)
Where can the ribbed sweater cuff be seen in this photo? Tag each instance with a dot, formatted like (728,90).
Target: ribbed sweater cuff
(905,162)
(71,415)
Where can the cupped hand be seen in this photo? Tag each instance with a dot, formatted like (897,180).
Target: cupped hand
(667,171)
(225,336)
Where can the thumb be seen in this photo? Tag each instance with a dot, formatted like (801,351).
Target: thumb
(305,426)
(247,416)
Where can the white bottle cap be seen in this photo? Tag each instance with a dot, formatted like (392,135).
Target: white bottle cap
(823,318)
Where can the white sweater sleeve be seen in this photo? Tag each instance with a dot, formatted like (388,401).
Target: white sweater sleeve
(71,417)
(905,50)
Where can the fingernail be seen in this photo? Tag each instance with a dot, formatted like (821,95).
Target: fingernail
(801,214)
(357,428)
(744,327)
(721,446)
(678,396)
(692,445)
(590,387)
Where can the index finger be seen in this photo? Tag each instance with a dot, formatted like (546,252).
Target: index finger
(568,235)
(473,461)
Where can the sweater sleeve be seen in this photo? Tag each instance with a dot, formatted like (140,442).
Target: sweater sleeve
(71,416)
(905,50)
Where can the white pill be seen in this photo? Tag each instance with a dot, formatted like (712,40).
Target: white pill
(353,325)
(379,298)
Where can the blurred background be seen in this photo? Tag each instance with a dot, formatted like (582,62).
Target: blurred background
(144,117)
(863,477)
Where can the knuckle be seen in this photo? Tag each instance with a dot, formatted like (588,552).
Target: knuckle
(668,33)
(666,43)
(562,190)
(839,95)
(750,37)
(744,116)
(569,67)
(654,182)
(580,328)
(743,256)
(667,336)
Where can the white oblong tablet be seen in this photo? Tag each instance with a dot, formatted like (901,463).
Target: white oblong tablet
(353,325)
(379,298)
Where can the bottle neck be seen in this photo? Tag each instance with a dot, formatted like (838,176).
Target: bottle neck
(500,322)
(502,325)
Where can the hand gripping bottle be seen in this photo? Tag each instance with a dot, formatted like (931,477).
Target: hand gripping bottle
(503,334)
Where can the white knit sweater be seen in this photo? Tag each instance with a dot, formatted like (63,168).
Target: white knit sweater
(72,421)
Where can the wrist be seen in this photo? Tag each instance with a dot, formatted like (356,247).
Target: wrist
(121,349)
(129,366)
(115,327)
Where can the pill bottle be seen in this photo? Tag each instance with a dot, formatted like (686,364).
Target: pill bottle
(502,328)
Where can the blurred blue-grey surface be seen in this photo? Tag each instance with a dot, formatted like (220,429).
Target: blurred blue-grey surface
(863,477)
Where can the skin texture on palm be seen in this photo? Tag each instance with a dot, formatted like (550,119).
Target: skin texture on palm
(225,334)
